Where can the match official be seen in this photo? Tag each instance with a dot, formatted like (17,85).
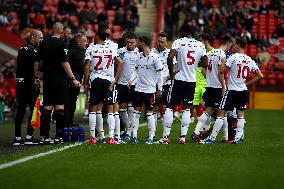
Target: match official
(53,54)
(27,92)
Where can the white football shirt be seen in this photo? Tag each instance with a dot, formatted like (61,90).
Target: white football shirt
(189,53)
(212,72)
(240,66)
(146,69)
(101,60)
(129,61)
(163,56)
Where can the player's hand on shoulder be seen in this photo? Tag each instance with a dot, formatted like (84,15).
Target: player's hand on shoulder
(158,94)
(129,84)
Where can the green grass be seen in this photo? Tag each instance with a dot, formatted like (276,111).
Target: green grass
(256,163)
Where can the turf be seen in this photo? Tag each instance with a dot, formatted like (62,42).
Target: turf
(256,163)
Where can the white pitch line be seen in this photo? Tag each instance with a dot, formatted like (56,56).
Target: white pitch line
(25,159)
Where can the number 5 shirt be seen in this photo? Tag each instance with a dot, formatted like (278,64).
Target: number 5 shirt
(101,58)
(189,53)
(240,66)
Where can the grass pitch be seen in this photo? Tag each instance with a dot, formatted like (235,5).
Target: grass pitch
(256,163)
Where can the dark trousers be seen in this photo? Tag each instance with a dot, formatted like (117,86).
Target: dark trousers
(70,106)
(26,96)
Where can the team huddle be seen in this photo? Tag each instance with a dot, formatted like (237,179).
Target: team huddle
(124,80)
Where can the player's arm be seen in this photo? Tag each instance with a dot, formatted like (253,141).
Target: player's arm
(203,71)
(86,75)
(203,61)
(119,63)
(69,73)
(258,76)
(170,62)
(221,76)
(133,77)
(224,67)
(160,78)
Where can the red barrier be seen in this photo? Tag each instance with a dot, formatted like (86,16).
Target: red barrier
(10,39)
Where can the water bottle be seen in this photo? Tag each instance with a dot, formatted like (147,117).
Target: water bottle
(81,134)
(65,134)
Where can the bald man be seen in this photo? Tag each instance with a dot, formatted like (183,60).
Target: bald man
(53,54)
(26,90)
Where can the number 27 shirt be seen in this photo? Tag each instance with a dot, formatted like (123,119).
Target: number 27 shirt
(101,57)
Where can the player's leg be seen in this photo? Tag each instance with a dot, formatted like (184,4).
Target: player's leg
(205,116)
(240,107)
(30,139)
(137,104)
(100,123)
(227,104)
(173,99)
(21,110)
(149,101)
(95,99)
(188,89)
(123,101)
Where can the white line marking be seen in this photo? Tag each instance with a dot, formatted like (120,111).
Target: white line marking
(12,163)
(25,159)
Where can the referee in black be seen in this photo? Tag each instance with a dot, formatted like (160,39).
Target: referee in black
(53,55)
(77,47)
(27,91)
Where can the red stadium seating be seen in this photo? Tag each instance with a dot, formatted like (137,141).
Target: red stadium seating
(91,4)
(111,12)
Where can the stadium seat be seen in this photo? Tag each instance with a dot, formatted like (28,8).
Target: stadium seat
(116,36)
(116,28)
(81,4)
(74,19)
(13,14)
(111,13)
(49,2)
(90,4)
(272,79)
(110,19)
(100,4)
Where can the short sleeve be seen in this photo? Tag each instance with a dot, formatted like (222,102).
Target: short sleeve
(176,44)
(64,52)
(229,61)
(203,50)
(222,55)
(254,67)
(88,53)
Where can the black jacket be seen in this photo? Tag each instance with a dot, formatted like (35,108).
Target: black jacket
(76,59)
(25,63)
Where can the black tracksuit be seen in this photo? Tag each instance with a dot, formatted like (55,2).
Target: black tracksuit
(76,61)
(25,88)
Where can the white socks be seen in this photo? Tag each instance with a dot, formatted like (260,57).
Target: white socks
(201,122)
(92,123)
(100,124)
(225,129)
(216,128)
(240,128)
(168,121)
(111,124)
(151,125)
(185,121)
(135,122)
(117,125)
(130,117)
